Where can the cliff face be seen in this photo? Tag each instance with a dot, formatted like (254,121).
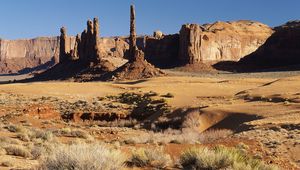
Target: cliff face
(16,55)
(281,49)
(221,41)
(22,56)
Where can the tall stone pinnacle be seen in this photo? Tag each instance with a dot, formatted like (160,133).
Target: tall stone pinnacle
(63,48)
(95,39)
(132,38)
(96,27)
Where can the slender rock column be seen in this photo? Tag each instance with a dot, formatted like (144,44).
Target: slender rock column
(89,41)
(63,48)
(95,39)
(76,50)
(82,46)
(132,38)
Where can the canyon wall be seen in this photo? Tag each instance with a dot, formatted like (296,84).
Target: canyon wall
(23,56)
(281,49)
(16,55)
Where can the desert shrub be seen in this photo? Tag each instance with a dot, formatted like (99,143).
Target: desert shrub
(17,150)
(220,157)
(40,134)
(2,151)
(150,158)
(73,133)
(83,157)
(80,134)
(37,152)
(192,120)
(212,135)
(175,136)
(34,134)
(23,137)
(6,140)
(14,128)
(203,158)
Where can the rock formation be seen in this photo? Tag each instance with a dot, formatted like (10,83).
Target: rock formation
(158,34)
(68,47)
(136,67)
(96,51)
(221,41)
(63,45)
(190,43)
(208,44)
(132,37)
(75,51)
(162,51)
(88,43)
(280,50)
(27,55)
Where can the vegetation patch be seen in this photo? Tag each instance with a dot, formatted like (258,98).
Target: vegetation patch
(154,157)
(83,157)
(220,157)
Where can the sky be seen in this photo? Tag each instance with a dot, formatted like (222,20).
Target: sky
(21,19)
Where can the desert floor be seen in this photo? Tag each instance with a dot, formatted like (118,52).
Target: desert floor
(262,110)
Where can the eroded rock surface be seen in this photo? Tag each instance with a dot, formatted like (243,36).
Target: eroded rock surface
(221,41)
(280,50)
(24,55)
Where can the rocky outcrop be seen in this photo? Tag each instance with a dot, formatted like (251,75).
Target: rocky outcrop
(281,49)
(88,46)
(22,56)
(221,41)
(136,67)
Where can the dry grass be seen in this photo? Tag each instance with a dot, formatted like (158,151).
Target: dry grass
(16,129)
(192,120)
(2,151)
(174,136)
(220,158)
(82,157)
(154,157)
(17,150)
(7,140)
(73,133)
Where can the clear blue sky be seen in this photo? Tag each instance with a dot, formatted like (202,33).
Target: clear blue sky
(32,18)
